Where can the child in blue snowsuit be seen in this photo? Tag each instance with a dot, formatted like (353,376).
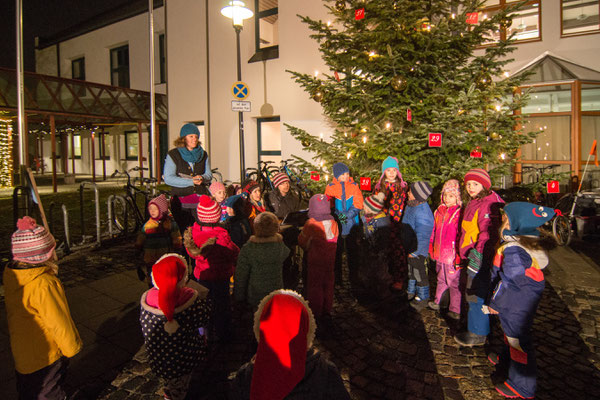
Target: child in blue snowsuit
(419,219)
(518,272)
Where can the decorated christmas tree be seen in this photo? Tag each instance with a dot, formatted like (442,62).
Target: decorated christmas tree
(406,80)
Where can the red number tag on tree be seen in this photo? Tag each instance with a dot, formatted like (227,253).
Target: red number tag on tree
(409,115)
(476,153)
(365,184)
(472,18)
(359,14)
(553,187)
(315,176)
(435,140)
(337,76)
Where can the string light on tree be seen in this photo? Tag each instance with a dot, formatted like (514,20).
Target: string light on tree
(6,162)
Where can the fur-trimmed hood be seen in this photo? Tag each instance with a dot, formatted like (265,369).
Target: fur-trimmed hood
(269,239)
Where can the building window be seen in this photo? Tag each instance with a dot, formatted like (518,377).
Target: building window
(269,139)
(266,30)
(162,59)
(131,145)
(525,25)
(119,66)
(75,150)
(102,146)
(78,69)
(580,17)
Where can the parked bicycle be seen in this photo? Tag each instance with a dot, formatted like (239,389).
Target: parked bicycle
(125,210)
(262,175)
(580,215)
(301,189)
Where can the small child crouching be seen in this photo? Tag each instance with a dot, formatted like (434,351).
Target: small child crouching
(517,269)
(319,240)
(171,315)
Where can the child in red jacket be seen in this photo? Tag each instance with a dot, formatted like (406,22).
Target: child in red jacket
(216,255)
(319,240)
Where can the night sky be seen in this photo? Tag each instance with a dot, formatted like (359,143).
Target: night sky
(42,18)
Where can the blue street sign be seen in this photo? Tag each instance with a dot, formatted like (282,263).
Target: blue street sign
(240,90)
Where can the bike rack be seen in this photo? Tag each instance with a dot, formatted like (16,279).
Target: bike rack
(65,214)
(97,202)
(21,191)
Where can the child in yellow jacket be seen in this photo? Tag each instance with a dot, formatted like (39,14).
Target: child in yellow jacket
(42,332)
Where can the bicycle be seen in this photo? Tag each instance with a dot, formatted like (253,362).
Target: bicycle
(262,175)
(297,184)
(124,210)
(216,175)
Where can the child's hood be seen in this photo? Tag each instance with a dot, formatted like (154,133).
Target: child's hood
(539,258)
(24,274)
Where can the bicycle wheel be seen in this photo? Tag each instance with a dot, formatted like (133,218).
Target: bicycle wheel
(561,229)
(123,215)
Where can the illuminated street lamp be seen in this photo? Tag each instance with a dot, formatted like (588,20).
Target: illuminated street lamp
(237,12)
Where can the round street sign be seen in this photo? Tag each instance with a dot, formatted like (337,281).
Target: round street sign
(240,90)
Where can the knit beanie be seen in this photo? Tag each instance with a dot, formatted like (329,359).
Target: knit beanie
(319,208)
(280,178)
(208,210)
(284,327)
(32,243)
(525,218)
(162,204)
(189,129)
(374,204)
(231,200)
(479,175)
(421,190)
(266,224)
(215,187)
(390,162)
(169,275)
(250,187)
(339,169)
(452,186)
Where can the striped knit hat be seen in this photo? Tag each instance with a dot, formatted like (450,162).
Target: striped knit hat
(32,243)
(280,178)
(421,190)
(479,175)
(374,204)
(162,204)
(251,186)
(209,211)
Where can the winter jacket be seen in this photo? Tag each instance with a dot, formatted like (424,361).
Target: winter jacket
(39,321)
(520,286)
(259,269)
(348,202)
(480,225)
(157,238)
(214,252)
(443,245)
(175,355)
(395,200)
(282,205)
(419,218)
(175,166)
(321,381)
(319,241)
(372,224)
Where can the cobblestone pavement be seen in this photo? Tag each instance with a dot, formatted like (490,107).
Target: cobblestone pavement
(384,349)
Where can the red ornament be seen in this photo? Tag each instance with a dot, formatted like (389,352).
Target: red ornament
(472,18)
(315,176)
(409,115)
(553,187)
(476,153)
(435,140)
(365,184)
(337,76)
(359,14)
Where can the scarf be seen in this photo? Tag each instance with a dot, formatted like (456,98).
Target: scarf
(192,156)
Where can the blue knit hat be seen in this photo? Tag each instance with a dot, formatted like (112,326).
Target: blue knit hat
(525,218)
(189,129)
(339,169)
(390,162)
(230,201)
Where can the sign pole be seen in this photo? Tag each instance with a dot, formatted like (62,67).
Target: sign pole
(238,29)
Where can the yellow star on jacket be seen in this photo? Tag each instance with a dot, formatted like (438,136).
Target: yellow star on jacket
(471,230)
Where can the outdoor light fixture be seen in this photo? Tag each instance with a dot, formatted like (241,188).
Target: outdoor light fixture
(237,11)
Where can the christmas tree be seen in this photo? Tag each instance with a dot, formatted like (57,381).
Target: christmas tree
(401,70)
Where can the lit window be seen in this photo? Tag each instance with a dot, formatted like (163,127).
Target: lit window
(579,17)
(525,25)
(131,145)
(266,30)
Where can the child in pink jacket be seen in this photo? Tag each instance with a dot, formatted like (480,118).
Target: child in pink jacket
(443,245)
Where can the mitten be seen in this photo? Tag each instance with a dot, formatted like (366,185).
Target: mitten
(342,217)
(475,260)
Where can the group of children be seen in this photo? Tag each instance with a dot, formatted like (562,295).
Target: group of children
(235,237)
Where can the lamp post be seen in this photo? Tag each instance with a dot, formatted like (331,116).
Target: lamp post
(237,12)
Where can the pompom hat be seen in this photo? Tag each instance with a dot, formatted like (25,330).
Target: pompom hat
(280,178)
(215,187)
(162,204)
(524,218)
(189,129)
(208,210)
(421,190)
(479,175)
(284,327)
(31,243)
(374,204)
(169,275)
(452,186)
(339,169)
(319,208)
(390,162)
